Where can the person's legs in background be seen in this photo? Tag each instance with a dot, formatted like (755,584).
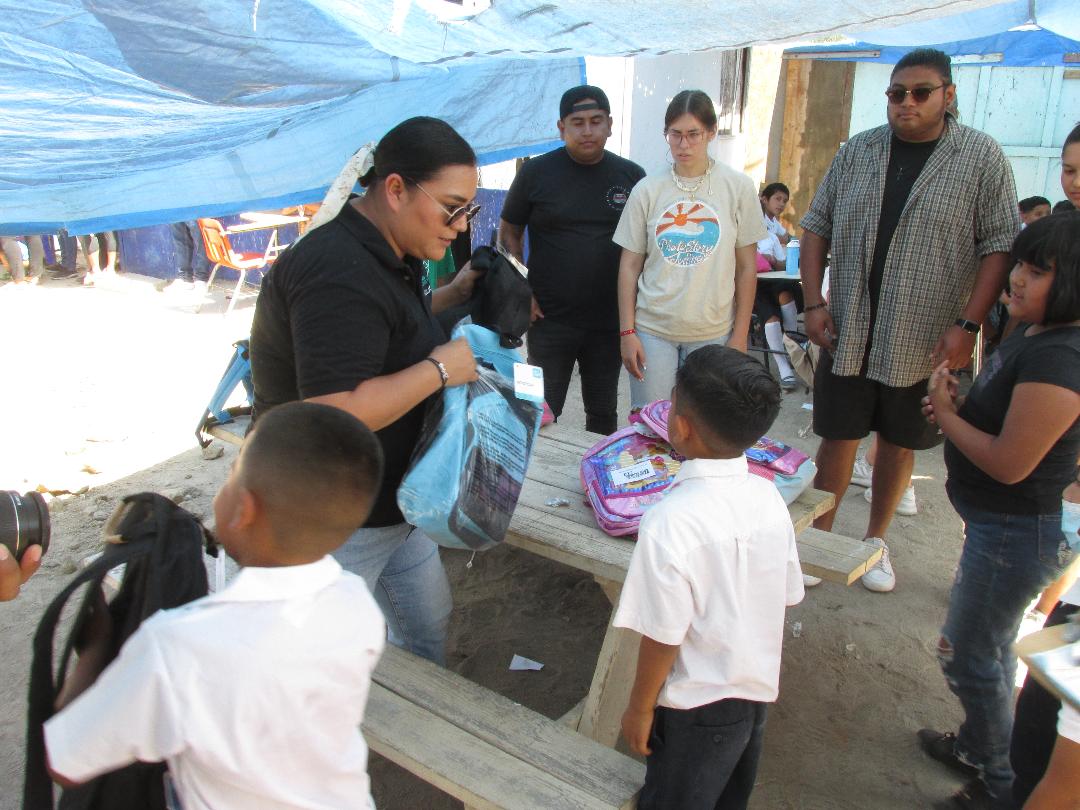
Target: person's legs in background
(13,256)
(599,362)
(863,473)
(553,347)
(107,251)
(184,247)
(661,363)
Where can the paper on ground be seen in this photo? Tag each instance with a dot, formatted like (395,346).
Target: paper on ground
(520,663)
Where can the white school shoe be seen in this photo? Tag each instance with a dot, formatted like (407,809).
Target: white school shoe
(906,507)
(862,473)
(880,578)
(810,581)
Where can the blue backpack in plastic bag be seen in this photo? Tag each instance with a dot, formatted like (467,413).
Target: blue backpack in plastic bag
(468,468)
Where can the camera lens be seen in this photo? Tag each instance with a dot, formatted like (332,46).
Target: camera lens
(24,521)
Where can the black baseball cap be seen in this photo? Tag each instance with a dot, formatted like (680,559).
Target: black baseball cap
(573,97)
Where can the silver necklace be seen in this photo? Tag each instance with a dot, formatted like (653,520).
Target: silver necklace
(691,190)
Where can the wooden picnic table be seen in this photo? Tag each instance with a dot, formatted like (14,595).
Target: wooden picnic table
(570,535)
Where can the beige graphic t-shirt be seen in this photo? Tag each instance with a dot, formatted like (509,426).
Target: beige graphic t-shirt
(686,292)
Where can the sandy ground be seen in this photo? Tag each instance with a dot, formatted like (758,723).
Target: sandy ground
(103,388)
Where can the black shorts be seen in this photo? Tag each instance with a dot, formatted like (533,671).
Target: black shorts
(767,298)
(848,408)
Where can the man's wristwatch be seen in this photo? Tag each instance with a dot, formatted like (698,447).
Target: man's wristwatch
(968,326)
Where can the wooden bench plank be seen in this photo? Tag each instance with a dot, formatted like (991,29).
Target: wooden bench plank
(606,775)
(834,557)
(469,769)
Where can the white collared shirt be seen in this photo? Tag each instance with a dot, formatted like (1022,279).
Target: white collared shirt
(253,695)
(714,568)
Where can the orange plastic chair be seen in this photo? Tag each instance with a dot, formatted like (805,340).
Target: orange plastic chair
(220,252)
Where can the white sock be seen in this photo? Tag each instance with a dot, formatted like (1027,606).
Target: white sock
(790,315)
(774,336)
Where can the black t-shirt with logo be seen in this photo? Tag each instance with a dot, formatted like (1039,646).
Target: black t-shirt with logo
(336,309)
(571,210)
(906,162)
(1051,357)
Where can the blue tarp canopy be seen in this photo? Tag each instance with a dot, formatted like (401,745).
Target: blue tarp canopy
(121,113)
(1018,33)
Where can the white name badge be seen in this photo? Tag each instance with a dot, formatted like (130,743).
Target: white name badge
(643,470)
(529,382)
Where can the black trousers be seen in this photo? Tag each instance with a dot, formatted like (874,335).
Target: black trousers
(1035,724)
(555,347)
(704,758)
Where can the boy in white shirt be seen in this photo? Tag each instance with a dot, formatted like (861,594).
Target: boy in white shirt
(714,568)
(253,695)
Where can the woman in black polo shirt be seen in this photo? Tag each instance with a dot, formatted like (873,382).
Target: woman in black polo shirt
(345,318)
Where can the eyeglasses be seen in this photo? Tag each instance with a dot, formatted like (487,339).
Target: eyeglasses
(469,210)
(897,95)
(693,137)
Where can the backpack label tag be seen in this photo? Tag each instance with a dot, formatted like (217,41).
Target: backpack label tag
(529,382)
(622,476)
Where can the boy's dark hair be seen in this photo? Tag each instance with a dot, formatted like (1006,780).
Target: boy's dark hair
(1062,207)
(695,102)
(418,149)
(1053,244)
(1029,204)
(772,188)
(316,468)
(730,394)
(926,57)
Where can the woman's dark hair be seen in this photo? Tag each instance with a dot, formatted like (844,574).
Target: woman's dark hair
(1053,244)
(695,102)
(1071,138)
(772,188)
(418,149)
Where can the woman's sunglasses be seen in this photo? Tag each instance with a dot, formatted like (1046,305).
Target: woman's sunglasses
(468,211)
(897,94)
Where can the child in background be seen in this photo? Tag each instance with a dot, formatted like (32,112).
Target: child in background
(254,695)
(776,302)
(1033,208)
(714,567)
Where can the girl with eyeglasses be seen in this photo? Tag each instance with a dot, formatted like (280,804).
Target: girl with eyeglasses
(688,270)
(345,317)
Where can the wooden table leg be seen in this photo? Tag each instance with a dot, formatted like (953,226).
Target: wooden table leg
(613,679)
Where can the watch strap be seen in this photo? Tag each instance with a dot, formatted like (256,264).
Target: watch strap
(968,326)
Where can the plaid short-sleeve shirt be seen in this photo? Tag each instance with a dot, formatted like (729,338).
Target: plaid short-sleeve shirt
(961,208)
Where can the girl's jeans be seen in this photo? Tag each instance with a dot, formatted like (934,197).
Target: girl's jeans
(401,566)
(662,360)
(1007,560)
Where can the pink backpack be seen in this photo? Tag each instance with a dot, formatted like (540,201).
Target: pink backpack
(627,472)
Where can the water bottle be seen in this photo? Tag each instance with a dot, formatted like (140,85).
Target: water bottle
(792,266)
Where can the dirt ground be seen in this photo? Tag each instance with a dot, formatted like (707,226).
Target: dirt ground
(103,388)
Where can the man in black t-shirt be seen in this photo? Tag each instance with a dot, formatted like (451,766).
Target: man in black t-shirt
(918,216)
(570,200)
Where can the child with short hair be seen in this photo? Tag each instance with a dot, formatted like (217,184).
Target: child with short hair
(254,695)
(1033,208)
(714,567)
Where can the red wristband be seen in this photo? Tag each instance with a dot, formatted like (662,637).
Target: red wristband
(626,332)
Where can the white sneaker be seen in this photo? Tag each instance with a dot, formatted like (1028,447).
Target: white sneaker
(810,581)
(906,507)
(179,285)
(880,578)
(199,289)
(862,473)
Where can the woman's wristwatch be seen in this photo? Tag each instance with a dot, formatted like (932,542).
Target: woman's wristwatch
(443,374)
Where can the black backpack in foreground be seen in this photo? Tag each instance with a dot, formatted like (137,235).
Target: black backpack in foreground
(501,301)
(162,546)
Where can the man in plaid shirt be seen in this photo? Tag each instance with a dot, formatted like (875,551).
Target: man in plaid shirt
(919,216)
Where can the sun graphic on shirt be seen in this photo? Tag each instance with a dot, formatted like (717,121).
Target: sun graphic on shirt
(687,233)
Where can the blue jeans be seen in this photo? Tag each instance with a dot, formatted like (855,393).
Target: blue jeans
(401,566)
(1007,560)
(191,260)
(662,360)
